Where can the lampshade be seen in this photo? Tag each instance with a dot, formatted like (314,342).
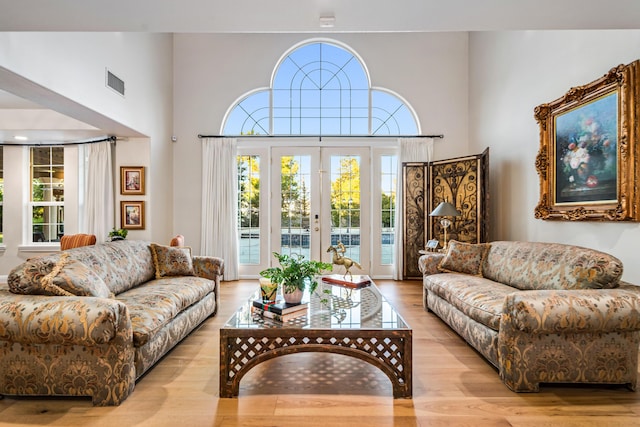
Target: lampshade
(445,209)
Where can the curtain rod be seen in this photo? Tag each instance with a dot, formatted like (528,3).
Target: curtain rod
(320,136)
(56,144)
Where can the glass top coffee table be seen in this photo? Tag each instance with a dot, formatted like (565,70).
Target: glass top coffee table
(354,322)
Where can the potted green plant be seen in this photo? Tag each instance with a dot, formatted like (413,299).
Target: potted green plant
(294,273)
(118,234)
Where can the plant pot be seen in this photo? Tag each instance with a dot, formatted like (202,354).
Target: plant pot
(293,297)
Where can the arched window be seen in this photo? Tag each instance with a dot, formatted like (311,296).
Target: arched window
(321,88)
(302,197)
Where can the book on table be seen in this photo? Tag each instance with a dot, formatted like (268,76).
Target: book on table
(277,317)
(355,281)
(280,307)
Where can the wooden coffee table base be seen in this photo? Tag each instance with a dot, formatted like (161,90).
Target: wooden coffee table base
(242,349)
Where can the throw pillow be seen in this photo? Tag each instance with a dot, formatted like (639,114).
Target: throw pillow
(25,278)
(79,279)
(178,240)
(73,278)
(464,258)
(46,282)
(171,260)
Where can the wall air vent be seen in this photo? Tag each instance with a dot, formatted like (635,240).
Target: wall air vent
(115,83)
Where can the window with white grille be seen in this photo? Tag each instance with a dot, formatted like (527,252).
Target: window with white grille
(46,206)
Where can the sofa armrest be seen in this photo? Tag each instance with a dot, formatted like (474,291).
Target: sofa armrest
(85,321)
(428,263)
(571,311)
(208,267)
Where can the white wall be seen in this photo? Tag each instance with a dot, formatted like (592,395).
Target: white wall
(510,74)
(127,153)
(213,70)
(72,65)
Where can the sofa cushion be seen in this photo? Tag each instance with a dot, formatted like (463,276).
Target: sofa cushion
(70,241)
(479,298)
(534,265)
(464,258)
(171,260)
(156,303)
(122,264)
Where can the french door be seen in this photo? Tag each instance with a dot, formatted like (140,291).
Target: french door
(304,199)
(320,197)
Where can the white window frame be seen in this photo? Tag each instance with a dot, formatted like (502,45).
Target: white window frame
(32,204)
(263,122)
(254,127)
(262,147)
(377,268)
(263,152)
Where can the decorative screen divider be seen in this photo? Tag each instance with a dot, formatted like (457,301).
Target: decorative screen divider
(414,211)
(464,182)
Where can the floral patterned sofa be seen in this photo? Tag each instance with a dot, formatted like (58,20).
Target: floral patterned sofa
(90,321)
(539,312)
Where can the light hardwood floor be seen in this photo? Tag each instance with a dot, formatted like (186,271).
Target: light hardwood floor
(452,386)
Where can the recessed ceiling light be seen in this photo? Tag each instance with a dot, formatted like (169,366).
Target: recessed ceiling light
(20,138)
(327,21)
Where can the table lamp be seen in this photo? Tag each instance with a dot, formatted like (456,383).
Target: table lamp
(444,210)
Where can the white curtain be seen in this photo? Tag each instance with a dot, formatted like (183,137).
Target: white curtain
(97,212)
(411,150)
(220,203)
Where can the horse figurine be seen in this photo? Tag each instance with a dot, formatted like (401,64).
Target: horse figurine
(340,259)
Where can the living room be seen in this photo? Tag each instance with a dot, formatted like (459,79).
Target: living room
(476,85)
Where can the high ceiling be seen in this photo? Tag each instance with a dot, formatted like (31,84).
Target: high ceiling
(289,16)
(203,16)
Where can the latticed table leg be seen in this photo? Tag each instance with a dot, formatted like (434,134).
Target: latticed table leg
(390,351)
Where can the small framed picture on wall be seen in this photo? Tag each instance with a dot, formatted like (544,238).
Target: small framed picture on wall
(132,180)
(132,215)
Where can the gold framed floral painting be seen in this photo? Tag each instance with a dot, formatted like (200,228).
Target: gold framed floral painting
(588,150)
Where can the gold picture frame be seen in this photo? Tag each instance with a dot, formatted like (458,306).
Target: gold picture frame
(132,180)
(588,150)
(132,215)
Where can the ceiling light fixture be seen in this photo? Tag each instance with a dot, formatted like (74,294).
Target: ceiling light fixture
(20,138)
(327,21)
